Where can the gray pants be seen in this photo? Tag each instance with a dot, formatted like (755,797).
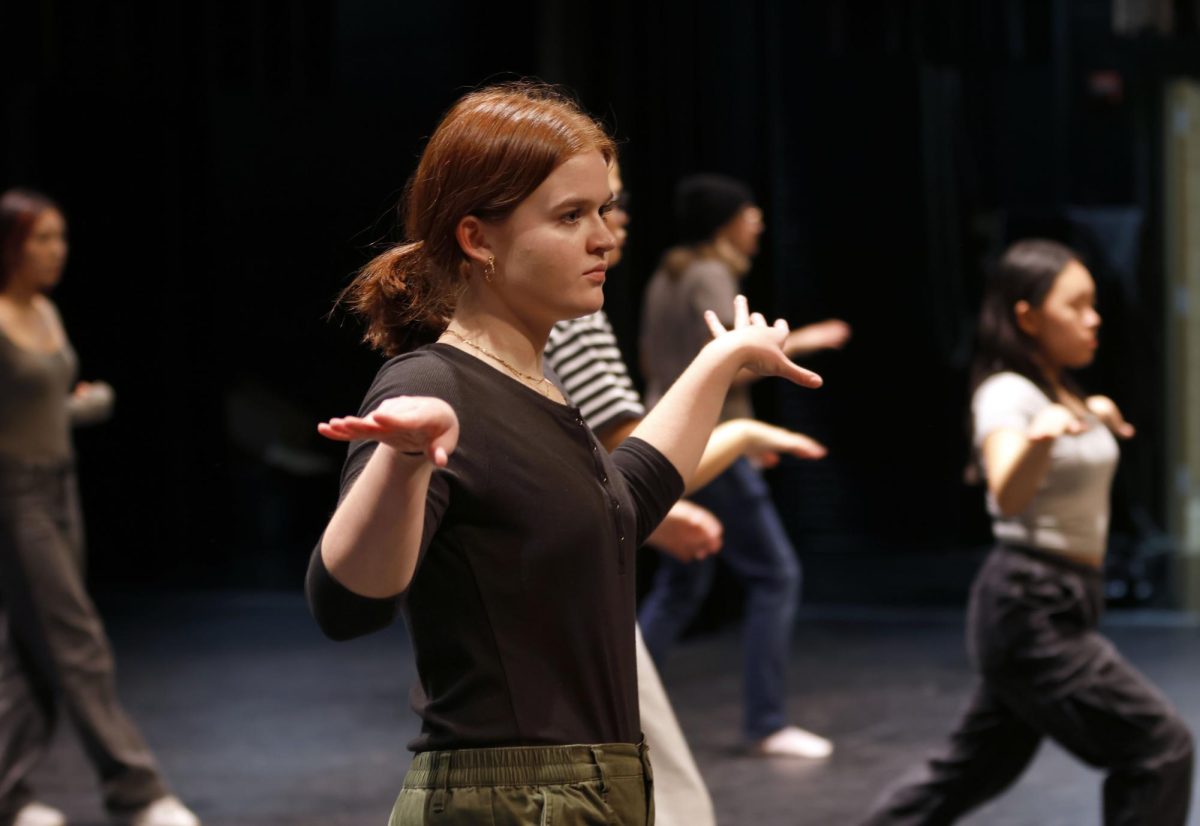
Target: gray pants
(1045,671)
(52,644)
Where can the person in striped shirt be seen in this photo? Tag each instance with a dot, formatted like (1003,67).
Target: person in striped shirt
(584,355)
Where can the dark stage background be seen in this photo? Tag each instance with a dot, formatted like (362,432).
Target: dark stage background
(226,165)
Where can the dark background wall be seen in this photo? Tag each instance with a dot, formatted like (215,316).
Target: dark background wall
(226,165)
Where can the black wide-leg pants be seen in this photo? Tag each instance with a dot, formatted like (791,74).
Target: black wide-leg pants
(1046,672)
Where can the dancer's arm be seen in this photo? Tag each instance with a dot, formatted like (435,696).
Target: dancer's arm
(680,424)
(373,539)
(1017,462)
(90,403)
(688,532)
(830,334)
(754,439)
(610,437)
(1106,410)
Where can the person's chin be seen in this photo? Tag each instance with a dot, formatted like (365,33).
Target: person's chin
(595,301)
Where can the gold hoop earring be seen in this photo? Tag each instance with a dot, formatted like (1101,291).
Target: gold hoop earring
(489,269)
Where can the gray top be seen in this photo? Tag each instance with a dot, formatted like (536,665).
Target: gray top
(37,407)
(673,328)
(34,386)
(1070,510)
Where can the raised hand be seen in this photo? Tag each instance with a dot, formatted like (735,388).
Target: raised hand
(760,346)
(412,425)
(1054,421)
(1106,410)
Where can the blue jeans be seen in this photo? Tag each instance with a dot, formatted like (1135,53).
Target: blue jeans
(758,551)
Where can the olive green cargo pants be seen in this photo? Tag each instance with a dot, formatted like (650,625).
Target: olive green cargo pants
(606,785)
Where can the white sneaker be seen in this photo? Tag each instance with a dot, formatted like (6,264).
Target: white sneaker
(39,814)
(166,811)
(792,741)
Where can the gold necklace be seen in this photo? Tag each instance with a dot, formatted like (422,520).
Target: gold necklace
(538,383)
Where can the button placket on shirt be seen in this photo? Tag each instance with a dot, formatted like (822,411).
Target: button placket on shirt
(614,504)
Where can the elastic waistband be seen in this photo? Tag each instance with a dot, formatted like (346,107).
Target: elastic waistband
(526,765)
(1053,558)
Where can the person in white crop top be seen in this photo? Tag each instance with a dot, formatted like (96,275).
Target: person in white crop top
(1048,453)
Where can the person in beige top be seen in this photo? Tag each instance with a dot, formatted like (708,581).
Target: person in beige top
(1048,452)
(52,644)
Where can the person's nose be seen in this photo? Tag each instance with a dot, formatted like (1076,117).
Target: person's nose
(602,239)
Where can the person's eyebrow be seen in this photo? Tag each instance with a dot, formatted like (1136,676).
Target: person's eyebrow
(580,201)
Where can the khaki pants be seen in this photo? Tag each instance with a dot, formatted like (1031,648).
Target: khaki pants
(680,796)
(605,785)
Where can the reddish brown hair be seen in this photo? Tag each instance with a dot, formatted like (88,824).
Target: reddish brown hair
(19,211)
(491,150)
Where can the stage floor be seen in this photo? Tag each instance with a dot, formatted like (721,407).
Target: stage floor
(260,721)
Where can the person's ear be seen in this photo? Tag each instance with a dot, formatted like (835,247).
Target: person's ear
(473,238)
(1028,318)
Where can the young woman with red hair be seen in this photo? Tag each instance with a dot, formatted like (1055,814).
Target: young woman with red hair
(479,504)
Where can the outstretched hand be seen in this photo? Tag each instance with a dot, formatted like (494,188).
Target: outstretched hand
(765,443)
(412,425)
(760,345)
(1106,410)
(830,334)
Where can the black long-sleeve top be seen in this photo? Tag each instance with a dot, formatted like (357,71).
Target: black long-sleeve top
(521,610)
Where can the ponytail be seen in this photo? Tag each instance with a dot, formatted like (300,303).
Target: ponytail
(402,299)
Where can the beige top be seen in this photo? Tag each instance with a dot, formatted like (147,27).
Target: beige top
(1070,511)
(674,331)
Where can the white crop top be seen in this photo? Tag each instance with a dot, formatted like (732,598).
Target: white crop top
(1070,510)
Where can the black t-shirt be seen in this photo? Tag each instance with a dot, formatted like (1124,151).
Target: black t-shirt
(521,610)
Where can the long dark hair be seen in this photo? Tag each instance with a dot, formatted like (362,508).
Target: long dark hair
(1025,272)
(19,211)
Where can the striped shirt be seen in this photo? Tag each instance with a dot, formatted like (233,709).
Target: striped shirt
(583,353)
